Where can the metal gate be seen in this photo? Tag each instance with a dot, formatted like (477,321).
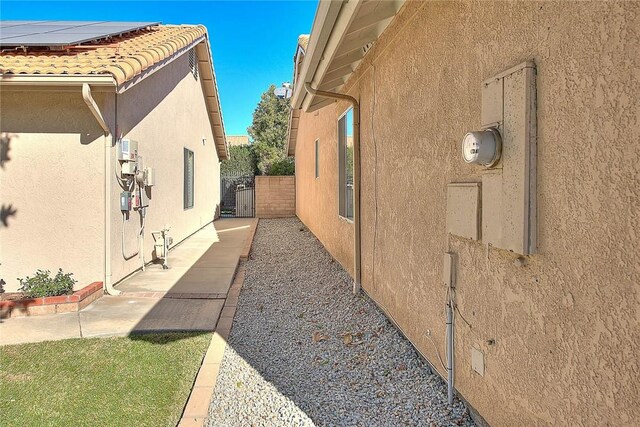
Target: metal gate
(238,196)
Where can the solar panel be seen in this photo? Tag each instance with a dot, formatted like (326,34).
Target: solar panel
(62,33)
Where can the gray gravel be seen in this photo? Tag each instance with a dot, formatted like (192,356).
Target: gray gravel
(275,373)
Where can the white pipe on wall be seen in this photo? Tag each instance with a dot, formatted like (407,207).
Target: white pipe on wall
(93,107)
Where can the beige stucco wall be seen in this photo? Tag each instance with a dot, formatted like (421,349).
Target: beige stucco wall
(53,181)
(566,326)
(275,196)
(55,178)
(317,198)
(166,113)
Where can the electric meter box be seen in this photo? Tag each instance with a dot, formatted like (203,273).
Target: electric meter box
(129,168)
(127,150)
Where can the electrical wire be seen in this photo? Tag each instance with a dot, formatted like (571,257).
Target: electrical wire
(435,347)
(124,254)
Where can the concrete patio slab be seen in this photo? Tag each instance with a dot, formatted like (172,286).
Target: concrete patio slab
(194,290)
(216,246)
(18,330)
(114,316)
(122,316)
(205,280)
(216,259)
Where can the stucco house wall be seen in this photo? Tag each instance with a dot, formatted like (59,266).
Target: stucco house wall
(55,176)
(53,184)
(317,198)
(166,113)
(564,327)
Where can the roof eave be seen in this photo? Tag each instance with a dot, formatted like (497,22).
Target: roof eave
(212,98)
(323,25)
(336,47)
(107,82)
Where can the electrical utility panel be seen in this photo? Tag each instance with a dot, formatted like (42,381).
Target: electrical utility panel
(129,168)
(127,150)
(125,201)
(509,189)
(505,202)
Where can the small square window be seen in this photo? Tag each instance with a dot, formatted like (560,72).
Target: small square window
(317,158)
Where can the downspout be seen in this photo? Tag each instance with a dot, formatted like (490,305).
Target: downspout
(93,107)
(356,175)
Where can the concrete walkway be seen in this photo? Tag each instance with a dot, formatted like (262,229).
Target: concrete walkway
(187,297)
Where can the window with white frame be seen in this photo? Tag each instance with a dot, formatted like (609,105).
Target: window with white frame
(345,164)
(317,158)
(188,178)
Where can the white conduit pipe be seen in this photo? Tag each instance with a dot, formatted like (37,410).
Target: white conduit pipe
(356,176)
(93,107)
(124,252)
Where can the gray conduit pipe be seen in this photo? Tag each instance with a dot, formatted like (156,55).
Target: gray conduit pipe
(356,175)
(93,107)
(450,364)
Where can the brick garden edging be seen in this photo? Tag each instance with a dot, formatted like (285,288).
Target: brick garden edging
(246,250)
(196,409)
(51,305)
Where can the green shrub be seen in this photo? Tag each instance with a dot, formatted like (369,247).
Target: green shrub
(242,161)
(282,167)
(42,285)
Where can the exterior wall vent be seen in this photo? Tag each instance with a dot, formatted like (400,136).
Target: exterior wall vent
(193,63)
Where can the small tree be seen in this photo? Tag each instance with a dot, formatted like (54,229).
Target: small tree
(269,133)
(242,161)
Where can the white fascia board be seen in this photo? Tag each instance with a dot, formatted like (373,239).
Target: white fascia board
(338,46)
(322,28)
(338,30)
(213,102)
(48,81)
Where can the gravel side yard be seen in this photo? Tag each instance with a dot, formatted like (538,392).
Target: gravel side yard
(304,351)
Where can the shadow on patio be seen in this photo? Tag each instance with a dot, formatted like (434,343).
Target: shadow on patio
(189,296)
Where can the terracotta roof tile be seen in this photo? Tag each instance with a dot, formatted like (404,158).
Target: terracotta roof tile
(123,57)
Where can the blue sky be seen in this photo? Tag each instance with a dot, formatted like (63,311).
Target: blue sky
(252,42)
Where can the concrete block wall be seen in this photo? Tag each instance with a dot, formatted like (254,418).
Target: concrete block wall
(275,196)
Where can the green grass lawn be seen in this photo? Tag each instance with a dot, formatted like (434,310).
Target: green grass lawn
(143,380)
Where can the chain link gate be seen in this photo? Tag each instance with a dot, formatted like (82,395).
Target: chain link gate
(237,196)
